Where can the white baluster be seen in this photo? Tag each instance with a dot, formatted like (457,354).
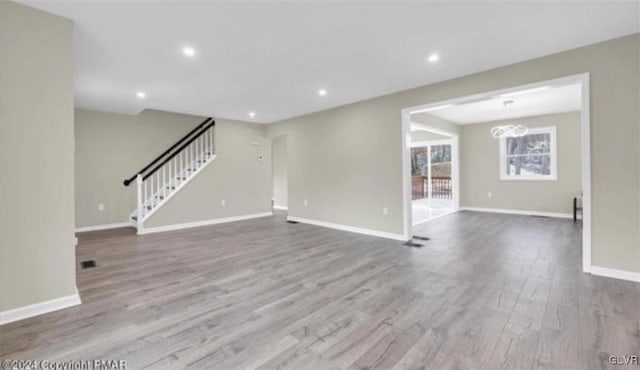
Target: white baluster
(213,141)
(170,174)
(191,161)
(139,183)
(206,144)
(196,149)
(164,181)
(180,171)
(144,201)
(152,189)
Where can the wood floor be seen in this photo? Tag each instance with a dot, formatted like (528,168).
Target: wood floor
(487,291)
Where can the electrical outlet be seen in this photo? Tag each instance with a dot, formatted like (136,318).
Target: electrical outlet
(223,202)
(306,203)
(489,195)
(100,207)
(385,211)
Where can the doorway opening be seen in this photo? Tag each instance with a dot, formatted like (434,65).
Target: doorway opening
(517,161)
(280,198)
(433,165)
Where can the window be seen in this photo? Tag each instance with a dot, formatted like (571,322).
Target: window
(530,157)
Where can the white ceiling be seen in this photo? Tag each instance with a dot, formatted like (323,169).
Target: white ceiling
(272,57)
(551,100)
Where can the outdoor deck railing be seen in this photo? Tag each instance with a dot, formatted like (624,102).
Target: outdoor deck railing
(441,187)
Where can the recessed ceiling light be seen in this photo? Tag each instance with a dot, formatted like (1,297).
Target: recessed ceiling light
(189,51)
(252,114)
(141,94)
(322,92)
(433,58)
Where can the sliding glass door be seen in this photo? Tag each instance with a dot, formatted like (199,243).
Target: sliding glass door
(431,172)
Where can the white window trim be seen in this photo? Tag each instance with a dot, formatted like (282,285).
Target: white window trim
(553,176)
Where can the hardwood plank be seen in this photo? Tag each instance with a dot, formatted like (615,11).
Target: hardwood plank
(486,291)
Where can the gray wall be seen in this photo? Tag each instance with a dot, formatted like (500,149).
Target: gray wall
(236,175)
(279,158)
(37,253)
(480,169)
(111,147)
(346,163)
(348,176)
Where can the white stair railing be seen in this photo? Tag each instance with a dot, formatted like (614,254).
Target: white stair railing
(157,184)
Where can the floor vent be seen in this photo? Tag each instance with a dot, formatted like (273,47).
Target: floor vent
(292,222)
(411,244)
(88,264)
(538,216)
(421,238)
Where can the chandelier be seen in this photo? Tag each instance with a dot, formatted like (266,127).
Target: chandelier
(504,131)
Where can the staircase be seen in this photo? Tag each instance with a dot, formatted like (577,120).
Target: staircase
(172,170)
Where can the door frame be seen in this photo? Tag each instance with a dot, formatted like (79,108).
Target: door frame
(455,172)
(585,124)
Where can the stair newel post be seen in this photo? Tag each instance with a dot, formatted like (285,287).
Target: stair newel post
(140,183)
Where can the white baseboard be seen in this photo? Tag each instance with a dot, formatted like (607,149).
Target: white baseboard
(359,230)
(616,274)
(103,227)
(41,308)
(282,208)
(188,225)
(518,212)
(436,217)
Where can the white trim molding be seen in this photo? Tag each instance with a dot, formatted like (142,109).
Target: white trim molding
(188,225)
(40,308)
(437,217)
(103,227)
(407,144)
(585,122)
(615,273)
(553,156)
(518,212)
(420,144)
(282,208)
(353,229)
(585,135)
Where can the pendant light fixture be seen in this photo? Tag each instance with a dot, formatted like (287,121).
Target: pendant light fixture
(503,131)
